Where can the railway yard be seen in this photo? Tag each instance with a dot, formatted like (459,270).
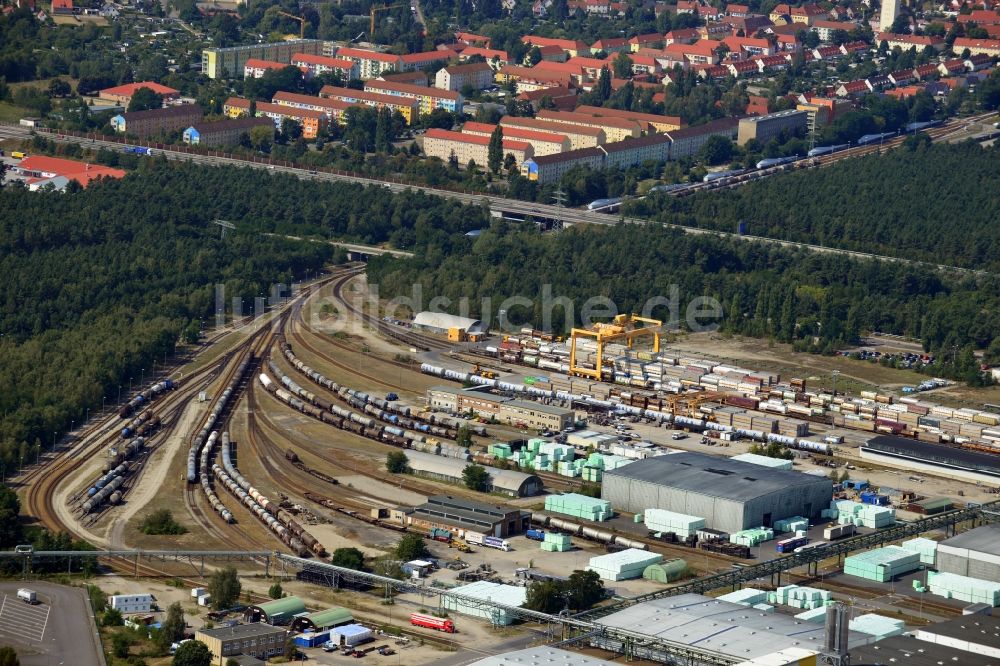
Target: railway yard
(273,437)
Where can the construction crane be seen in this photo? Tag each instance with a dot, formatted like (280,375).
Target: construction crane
(625,326)
(383,8)
(301,20)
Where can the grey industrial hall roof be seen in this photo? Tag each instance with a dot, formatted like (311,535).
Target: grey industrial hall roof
(908,651)
(979,629)
(949,456)
(982,539)
(444,321)
(721,626)
(543,654)
(713,476)
(241,630)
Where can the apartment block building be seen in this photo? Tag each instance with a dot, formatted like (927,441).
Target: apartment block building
(408,107)
(221,63)
(428,98)
(157,122)
(445,144)
(222,132)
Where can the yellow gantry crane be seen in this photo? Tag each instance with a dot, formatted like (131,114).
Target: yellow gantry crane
(384,8)
(302,23)
(625,326)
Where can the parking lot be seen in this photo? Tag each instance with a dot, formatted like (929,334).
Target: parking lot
(57,631)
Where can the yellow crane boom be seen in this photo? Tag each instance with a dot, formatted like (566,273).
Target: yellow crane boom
(301,20)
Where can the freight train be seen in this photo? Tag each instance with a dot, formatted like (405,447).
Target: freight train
(141,425)
(205,473)
(360,424)
(387,410)
(145,397)
(278,520)
(693,424)
(587,532)
(199,439)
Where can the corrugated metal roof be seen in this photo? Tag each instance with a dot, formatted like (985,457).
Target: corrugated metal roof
(444,321)
(502,479)
(541,655)
(330,617)
(716,477)
(509,595)
(984,539)
(286,607)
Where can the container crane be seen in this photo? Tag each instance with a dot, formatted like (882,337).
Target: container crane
(301,20)
(384,8)
(625,326)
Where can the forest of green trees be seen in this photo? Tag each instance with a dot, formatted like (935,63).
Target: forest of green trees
(101,283)
(937,204)
(819,301)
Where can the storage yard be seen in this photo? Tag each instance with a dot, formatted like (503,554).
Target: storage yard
(651,471)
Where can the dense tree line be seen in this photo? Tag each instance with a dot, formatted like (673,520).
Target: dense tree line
(102,283)
(817,300)
(937,204)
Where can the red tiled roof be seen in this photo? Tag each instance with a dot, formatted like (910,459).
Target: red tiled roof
(81,172)
(291,111)
(130,89)
(363,54)
(296,98)
(238,102)
(310,59)
(429,56)
(514,132)
(257,63)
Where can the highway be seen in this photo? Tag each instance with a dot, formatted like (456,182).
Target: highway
(498,205)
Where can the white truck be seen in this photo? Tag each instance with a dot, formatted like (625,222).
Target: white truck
(487,541)
(27,596)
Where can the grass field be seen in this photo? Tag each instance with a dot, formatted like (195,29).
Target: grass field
(43,83)
(9,113)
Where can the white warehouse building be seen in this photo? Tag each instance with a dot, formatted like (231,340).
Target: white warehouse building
(730,495)
(442,322)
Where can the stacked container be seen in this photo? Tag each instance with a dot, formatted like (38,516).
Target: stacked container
(556,543)
(847,512)
(806,598)
(764,461)
(748,596)
(752,537)
(963,588)
(793,524)
(661,520)
(623,565)
(882,564)
(926,548)
(579,506)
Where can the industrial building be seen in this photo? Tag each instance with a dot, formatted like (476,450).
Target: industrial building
(257,640)
(975,553)
(221,63)
(279,611)
(519,413)
(765,128)
(324,619)
(444,323)
(730,495)
(462,515)
(506,481)
(920,456)
(542,654)
(497,593)
(737,631)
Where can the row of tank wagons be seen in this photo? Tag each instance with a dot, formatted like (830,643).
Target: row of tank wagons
(205,466)
(590,533)
(361,401)
(392,411)
(119,453)
(279,521)
(142,425)
(662,418)
(360,424)
(199,439)
(107,488)
(145,397)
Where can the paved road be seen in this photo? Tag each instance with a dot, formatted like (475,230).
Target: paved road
(56,632)
(566,216)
